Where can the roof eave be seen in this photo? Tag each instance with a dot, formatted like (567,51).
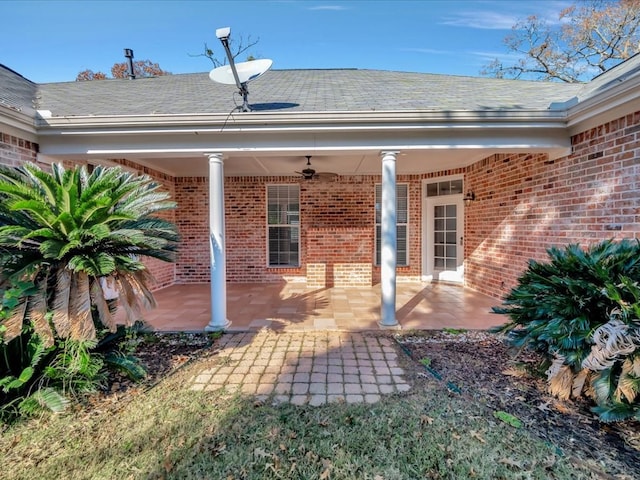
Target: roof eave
(613,102)
(263,121)
(15,122)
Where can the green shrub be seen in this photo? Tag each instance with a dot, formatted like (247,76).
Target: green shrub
(21,363)
(36,378)
(75,370)
(582,310)
(72,250)
(81,238)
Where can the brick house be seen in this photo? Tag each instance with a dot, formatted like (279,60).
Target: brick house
(432,177)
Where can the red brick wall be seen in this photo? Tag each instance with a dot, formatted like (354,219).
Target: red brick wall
(192,219)
(345,253)
(345,202)
(15,151)
(527,203)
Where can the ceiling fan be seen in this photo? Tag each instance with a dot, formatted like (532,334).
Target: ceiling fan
(310,174)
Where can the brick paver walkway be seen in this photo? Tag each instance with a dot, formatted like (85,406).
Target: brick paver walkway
(309,367)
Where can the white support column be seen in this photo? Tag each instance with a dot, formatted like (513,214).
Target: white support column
(389,242)
(219,319)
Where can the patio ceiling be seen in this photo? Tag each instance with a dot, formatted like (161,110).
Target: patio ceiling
(342,163)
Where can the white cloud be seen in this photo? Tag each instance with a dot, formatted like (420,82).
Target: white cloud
(481,20)
(503,15)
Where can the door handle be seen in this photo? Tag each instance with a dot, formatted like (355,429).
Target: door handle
(461,240)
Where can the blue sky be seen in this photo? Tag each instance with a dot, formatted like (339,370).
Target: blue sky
(51,41)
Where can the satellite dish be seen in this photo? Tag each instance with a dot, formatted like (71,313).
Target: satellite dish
(239,74)
(247,71)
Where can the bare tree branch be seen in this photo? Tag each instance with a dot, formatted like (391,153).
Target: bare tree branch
(238,46)
(593,36)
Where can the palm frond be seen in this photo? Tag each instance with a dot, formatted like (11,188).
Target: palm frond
(98,231)
(628,383)
(611,340)
(127,364)
(82,326)
(100,184)
(604,384)
(46,183)
(616,411)
(144,202)
(45,233)
(97,264)
(102,307)
(128,299)
(61,318)
(16,236)
(94,210)
(579,382)
(18,187)
(55,248)
(561,384)
(35,209)
(13,325)
(43,399)
(38,313)
(140,279)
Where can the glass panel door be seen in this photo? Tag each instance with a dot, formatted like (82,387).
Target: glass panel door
(443,235)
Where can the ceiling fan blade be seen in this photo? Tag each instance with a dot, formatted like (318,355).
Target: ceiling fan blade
(325,177)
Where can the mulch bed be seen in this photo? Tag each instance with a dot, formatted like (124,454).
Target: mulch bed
(481,366)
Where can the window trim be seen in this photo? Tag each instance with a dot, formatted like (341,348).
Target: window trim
(268,225)
(446,178)
(406,224)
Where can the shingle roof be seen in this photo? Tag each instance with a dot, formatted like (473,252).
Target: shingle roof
(16,92)
(621,72)
(300,90)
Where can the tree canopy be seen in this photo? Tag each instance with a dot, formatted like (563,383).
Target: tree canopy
(587,39)
(141,68)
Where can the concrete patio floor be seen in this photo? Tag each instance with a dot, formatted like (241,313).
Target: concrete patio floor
(293,307)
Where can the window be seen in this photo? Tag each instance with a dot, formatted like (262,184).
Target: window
(446,187)
(402,221)
(283,224)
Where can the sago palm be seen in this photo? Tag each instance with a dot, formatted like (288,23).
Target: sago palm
(71,233)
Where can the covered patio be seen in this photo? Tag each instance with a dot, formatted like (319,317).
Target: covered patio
(295,307)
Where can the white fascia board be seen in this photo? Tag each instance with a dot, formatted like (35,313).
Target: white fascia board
(299,121)
(17,124)
(283,141)
(614,102)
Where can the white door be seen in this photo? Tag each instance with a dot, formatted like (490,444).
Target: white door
(443,238)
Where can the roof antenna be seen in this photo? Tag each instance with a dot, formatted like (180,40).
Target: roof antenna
(128,53)
(239,74)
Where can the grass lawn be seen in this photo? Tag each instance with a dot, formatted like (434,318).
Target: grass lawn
(169,431)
